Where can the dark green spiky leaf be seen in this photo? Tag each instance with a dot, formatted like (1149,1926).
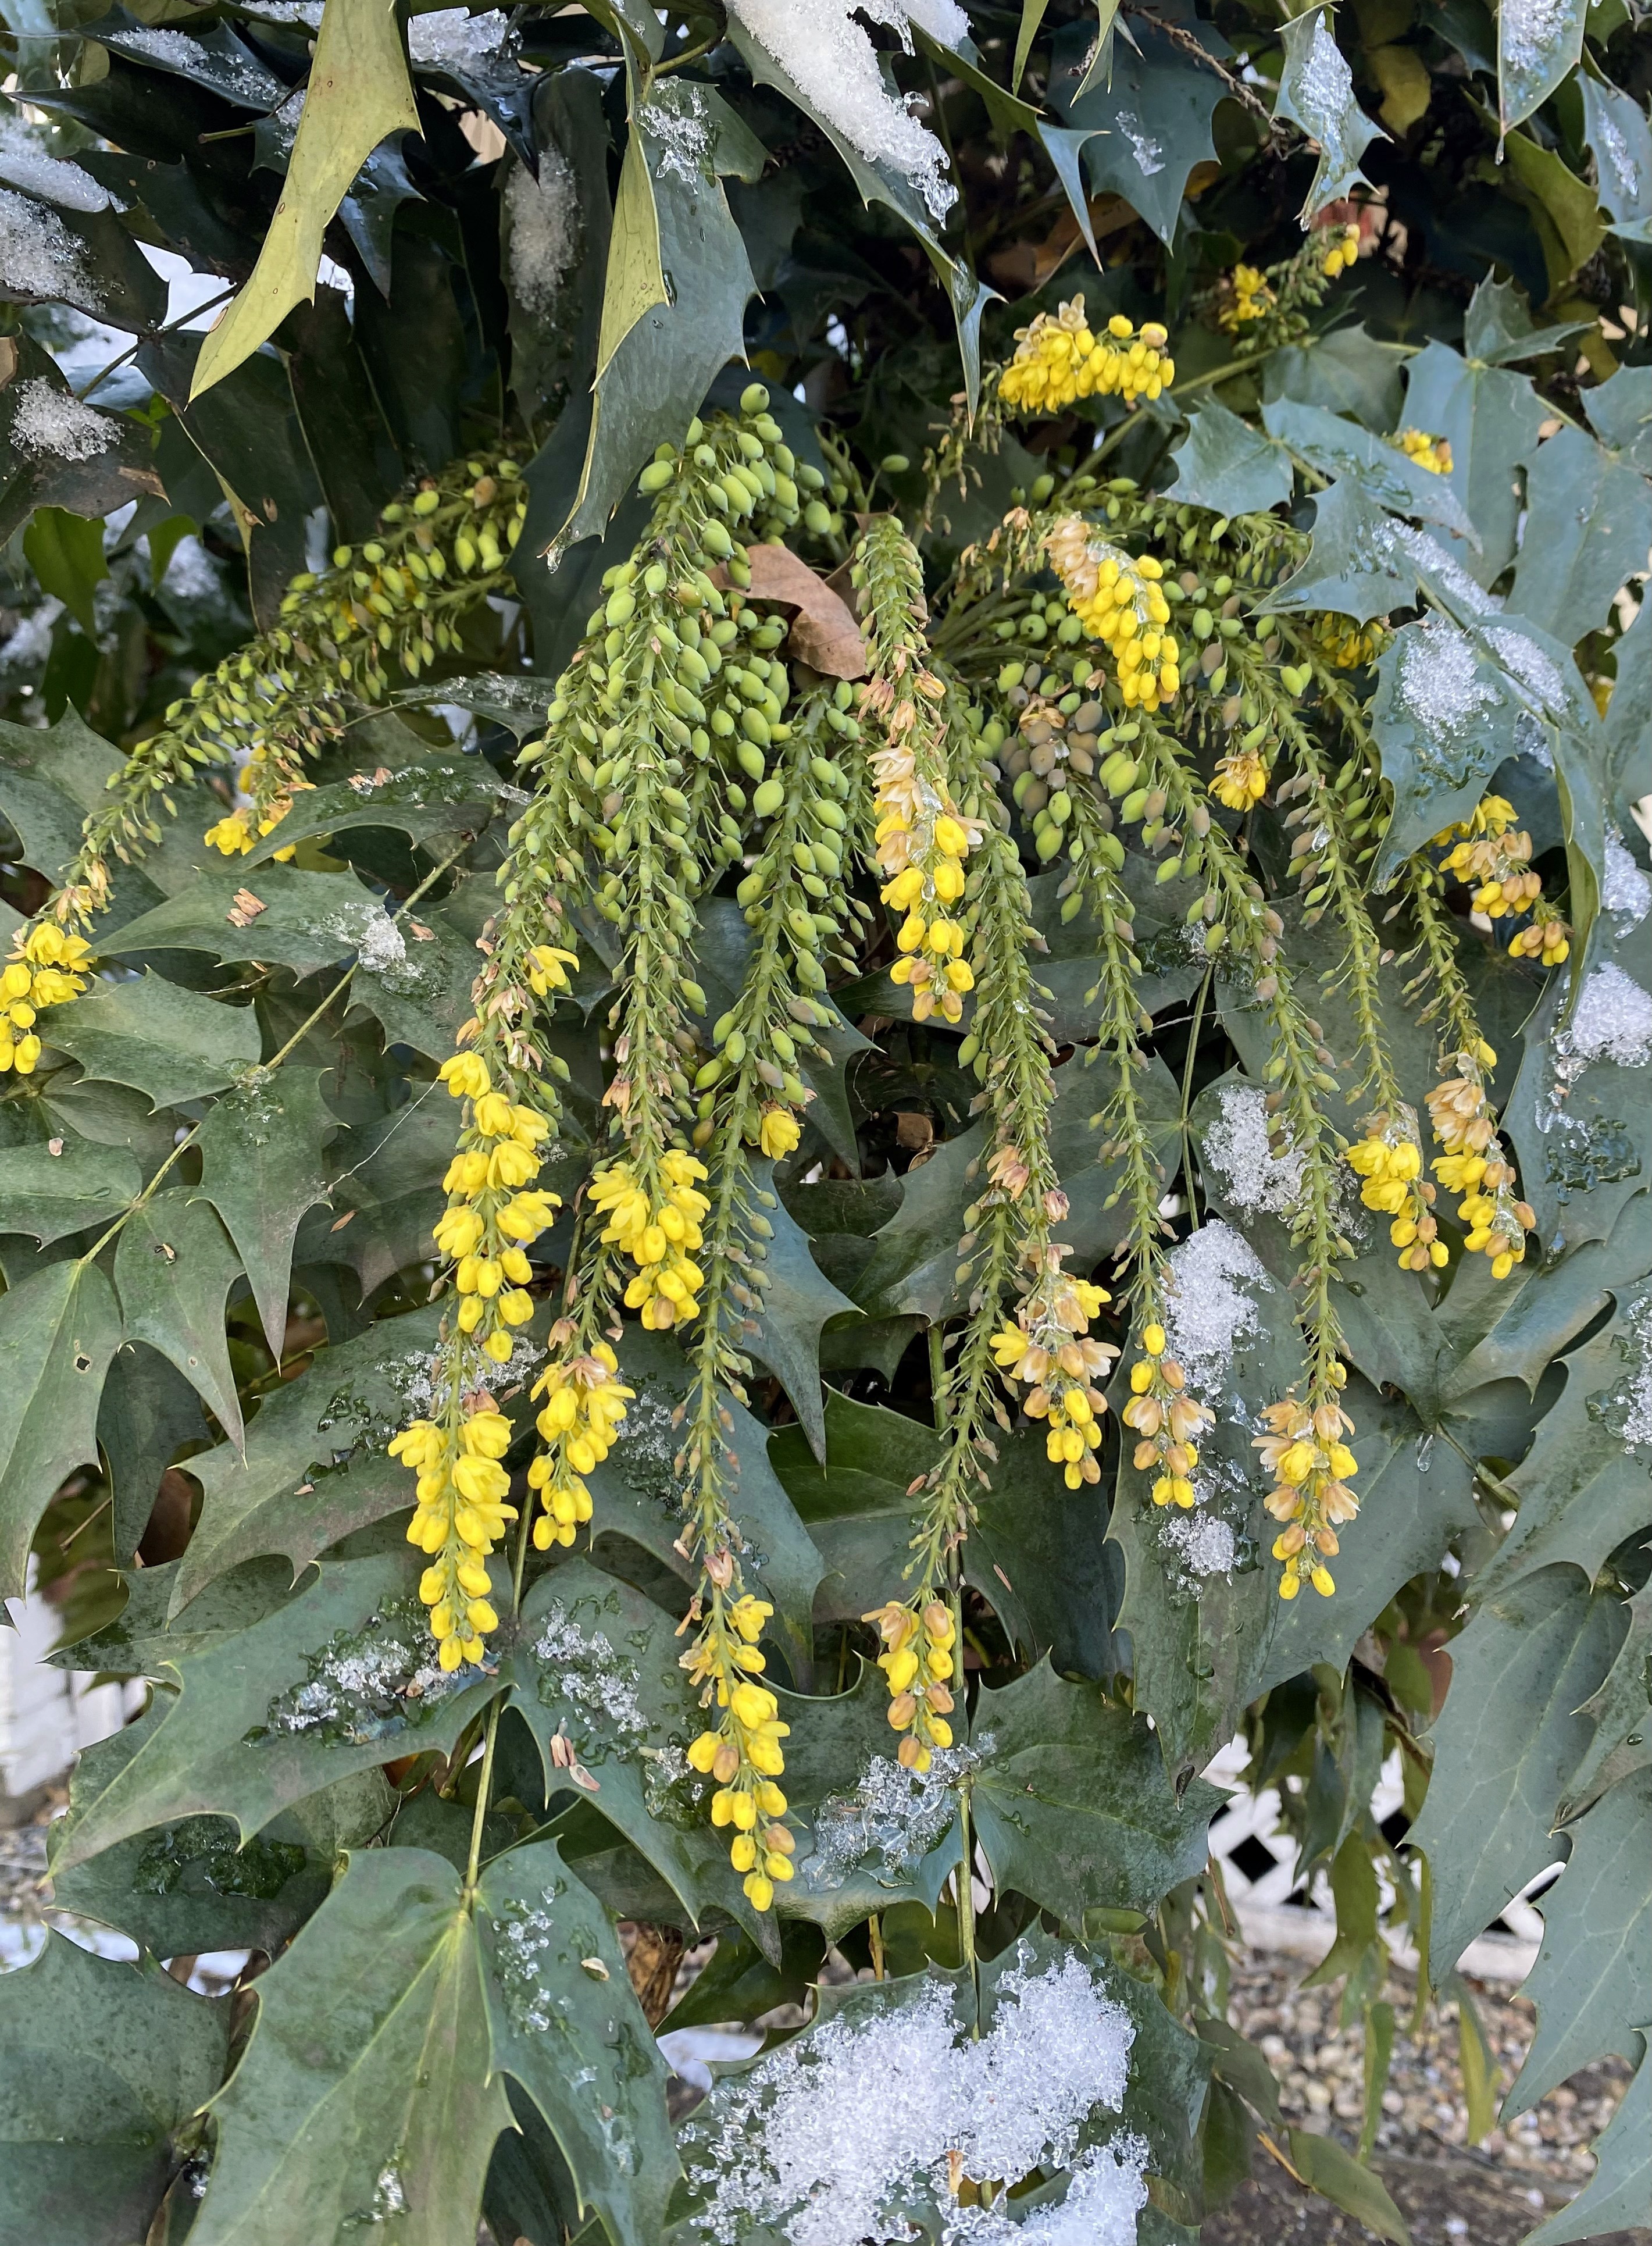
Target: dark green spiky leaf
(1072,1800)
(337,1681)
(89,260)
(1151,113)
(105,461)
(51,1196)
(379,1211)
(1316,92)
(170,1044)
(1354,567)
(1504,1746)
(1225,464)
(595,1667)
(103,2064)
(173,1266)
(260,1169)
(1535,55)
(1340,448)
(1618,2195)
(283,916)
(1592,1984)
(433,801)
(557,1992)
(1035,1552)
(1338,2177)
(659,351)
(49,781)
(188,1887)
(149,1411)
(59,1330)
(215,58)
(1622,1713)
(415,976)
(1588,526)
(1498,330)
(1350,370)
(364,2094)
(1621,410)
(1616,130)
(636,1490)
(1582,1488)
(1489,418)
(314,1466)
(796,1304)
(140,1641)
(1446,717)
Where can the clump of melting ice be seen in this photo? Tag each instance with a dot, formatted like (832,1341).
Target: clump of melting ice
(38,255)
(1441,690)
(1204,1542)
(893,1817)
(1627,1410)
(368,1684)
(835,2136)
(544,231)
(677,121)
(1625,891)
(1104,2195)
(52,420)
(583,1670)
(453,37)
(1210,1305)
(1613,1021)
(1258,1179)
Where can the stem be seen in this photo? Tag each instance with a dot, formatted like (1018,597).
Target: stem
(103,372)
(1187,1092)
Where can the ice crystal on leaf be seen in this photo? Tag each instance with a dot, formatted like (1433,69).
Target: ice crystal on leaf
(38,255)
(1209,1311)
(1258,1179)
(453,39)
(1439,682)
(1625,890)
(544,231)
(583,1667)
(813,2143)
(52,420)
(893,1817)
(829,58)
(1613,1021)
(24,163)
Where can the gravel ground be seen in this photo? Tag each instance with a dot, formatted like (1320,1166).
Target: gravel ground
(1486,2194)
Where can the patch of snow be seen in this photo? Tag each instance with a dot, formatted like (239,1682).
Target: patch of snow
(832,2138)
(1257,1178)
(1204,1542)
(1613,1021)
(1209,1311)
(48,419)
(24,163)
(1625,890)
(453,37)
(544,231)
(829,58)
(1440,680)
(38,255)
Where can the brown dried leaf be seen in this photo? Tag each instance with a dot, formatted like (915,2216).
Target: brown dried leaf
(825,634)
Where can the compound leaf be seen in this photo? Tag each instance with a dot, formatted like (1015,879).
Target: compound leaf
(173,1266)
(260,1169)
(170,1044)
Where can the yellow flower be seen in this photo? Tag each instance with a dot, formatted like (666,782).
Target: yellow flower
(1119,599)
(1059,359)
(42,971)
(779,1132)
(1247,298)
(1241,779)
(1433,453)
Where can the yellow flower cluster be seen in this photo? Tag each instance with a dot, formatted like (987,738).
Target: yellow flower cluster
(1045,1345)
(1312,1466)
(460,1516)
(1389,1157)
(1119,599)
(1476,1165)
(1343,253)
(1493,860)
(1433,453)
(1058,358)
(240,830)
(585,1401)
(1344,643)
(658,1233)
(1247,297)
(919,1655)
(922,840)
(1166,1419)
(1241,778)
(47,967)
(493,1210)
(743,1754)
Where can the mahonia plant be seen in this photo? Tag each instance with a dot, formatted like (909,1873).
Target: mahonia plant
(1036,959)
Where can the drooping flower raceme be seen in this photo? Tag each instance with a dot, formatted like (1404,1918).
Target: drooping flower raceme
(48,966)
(1059,359)
(1120,601)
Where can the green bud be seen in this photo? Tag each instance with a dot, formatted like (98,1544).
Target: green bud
(754,398)
(655,477)
(427,502)
(750,759)
(896,464)
(768,798)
